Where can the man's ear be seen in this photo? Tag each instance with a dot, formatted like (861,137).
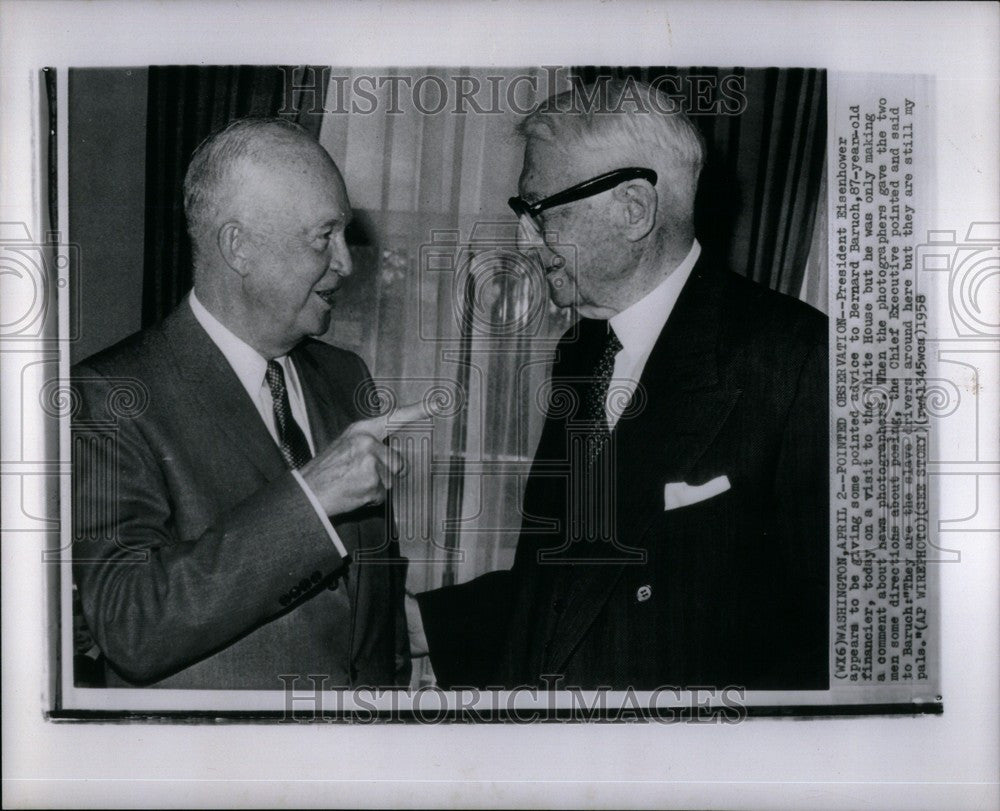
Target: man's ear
(235,246)
(639,202)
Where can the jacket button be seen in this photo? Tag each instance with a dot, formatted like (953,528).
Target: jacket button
(294,592)
(644,593)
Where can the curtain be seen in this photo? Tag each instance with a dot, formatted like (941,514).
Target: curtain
(440,302)
(185,104)
(760,189)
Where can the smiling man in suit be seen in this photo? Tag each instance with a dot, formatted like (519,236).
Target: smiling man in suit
(229,514)
(675,520)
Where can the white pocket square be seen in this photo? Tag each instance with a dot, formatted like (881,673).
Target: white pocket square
(680,494)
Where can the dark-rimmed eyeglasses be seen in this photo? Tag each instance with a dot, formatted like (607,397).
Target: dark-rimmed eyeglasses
(581,190)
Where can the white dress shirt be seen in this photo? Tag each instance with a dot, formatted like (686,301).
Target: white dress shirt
(251,367)
(637,327)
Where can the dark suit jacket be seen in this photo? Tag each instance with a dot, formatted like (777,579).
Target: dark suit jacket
(199,559)
(729,591)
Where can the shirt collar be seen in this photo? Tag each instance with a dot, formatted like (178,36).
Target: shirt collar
(640,324)
(246,361)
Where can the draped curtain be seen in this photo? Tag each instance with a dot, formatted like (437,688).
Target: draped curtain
(440,301)
(185,104)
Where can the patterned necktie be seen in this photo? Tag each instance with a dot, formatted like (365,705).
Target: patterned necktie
(597,391)
(294,446)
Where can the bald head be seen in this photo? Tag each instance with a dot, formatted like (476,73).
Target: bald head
(267,211)
(215,186)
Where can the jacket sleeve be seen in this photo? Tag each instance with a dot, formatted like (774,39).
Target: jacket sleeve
(466,627)
(156,601)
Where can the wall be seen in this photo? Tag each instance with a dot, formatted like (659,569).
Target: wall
(107,174)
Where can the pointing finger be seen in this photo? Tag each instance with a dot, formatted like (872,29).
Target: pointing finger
(405,415)
(381,426)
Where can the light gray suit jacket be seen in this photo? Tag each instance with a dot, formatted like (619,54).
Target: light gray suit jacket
(199,559)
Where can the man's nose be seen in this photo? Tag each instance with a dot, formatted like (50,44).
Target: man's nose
(340,259)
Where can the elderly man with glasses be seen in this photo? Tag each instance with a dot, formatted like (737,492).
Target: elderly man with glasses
(675,521)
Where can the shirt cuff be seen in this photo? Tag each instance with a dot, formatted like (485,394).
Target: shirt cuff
(415,627)
(323,517)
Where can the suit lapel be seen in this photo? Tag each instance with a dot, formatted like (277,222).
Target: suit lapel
(328,407)
(685,406)
(211,382)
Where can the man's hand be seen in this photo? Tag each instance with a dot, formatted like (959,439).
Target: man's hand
(357,469)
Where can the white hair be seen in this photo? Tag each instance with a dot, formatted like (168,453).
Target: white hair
(633,120)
